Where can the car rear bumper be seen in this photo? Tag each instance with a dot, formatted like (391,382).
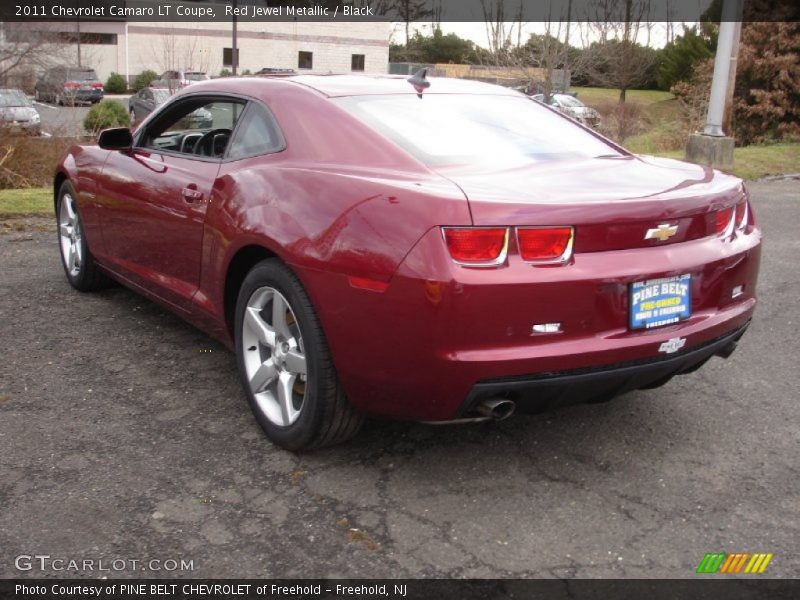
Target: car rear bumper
(425,346)
(545,391)
(27,127)
(85,95)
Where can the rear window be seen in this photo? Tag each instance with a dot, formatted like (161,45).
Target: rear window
(160,95)
(13,98)
(568,101)
(82,75)
(475,130)
(196,76)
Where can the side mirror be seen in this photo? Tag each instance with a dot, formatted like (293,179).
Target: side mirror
(117,138)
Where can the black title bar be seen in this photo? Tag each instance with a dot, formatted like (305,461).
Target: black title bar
(422,11)
(730,588)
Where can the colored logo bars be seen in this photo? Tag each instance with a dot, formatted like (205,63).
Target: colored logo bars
(720,562)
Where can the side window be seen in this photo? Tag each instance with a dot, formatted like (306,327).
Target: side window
(257,134)
(357,62)
(194,126)
(305,60)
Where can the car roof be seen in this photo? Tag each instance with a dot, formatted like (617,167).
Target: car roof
(360,85)
(333,86)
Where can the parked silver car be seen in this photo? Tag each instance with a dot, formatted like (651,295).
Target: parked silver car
(573,107)
(177,80)
(143,102)
(17,112)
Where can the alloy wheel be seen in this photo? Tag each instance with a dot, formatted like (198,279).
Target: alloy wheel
(70,234)
(274,356)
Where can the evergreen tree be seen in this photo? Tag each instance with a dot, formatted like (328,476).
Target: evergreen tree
(679,58)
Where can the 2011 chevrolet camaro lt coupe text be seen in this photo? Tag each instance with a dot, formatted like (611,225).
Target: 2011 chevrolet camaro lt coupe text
(426,249)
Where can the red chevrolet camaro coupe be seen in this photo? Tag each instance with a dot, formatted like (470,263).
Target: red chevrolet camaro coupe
(435,250)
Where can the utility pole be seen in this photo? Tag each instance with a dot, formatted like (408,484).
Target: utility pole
(712,146)
(234,48)
(565,74)
(722,66)
(78,30)
(726,119)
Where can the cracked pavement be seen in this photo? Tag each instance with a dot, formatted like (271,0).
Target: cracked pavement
(124,435)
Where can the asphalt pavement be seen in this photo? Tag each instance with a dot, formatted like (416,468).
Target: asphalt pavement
(67,121)
(124,436)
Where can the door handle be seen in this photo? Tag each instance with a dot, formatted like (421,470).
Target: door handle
(191,195)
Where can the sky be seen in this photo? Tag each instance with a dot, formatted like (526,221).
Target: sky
(578,32)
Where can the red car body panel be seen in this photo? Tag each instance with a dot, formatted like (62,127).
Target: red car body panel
(342,205)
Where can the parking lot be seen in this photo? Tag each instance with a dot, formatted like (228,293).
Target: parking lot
(61,121)
(124,435)
(67,121)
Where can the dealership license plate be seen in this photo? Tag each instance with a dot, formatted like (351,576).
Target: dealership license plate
(658,302)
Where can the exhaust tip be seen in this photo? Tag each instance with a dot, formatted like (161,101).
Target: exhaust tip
(496,409)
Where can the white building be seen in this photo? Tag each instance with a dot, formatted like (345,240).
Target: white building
(131,47)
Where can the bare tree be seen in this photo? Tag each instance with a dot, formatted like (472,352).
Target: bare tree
(499,30)
(24,51)
(409,11)
(437,10)
(617,53)
(179,49)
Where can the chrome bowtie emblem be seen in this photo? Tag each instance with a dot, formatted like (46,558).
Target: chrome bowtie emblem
(661,233)
(672,345)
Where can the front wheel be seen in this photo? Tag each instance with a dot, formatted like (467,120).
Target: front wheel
(285,363)
(78,262)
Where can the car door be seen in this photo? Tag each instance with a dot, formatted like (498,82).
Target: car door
(148,102)
(38,89)
(154,198)
(51,79)
(133,106)
(143,103)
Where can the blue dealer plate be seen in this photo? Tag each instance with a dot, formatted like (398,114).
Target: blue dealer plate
(660,302)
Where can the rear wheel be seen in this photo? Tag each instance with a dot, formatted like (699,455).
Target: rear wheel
(285,363)
(77,260)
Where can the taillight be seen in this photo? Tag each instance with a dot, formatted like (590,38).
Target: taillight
(724,222)
(741,215)
(71,85)
(475,246)
(97,86)
(545,244)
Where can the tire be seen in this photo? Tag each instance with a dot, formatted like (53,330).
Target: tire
(36,96)
(78,262)
(297,411)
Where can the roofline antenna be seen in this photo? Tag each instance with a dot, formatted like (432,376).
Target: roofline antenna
(419,80)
